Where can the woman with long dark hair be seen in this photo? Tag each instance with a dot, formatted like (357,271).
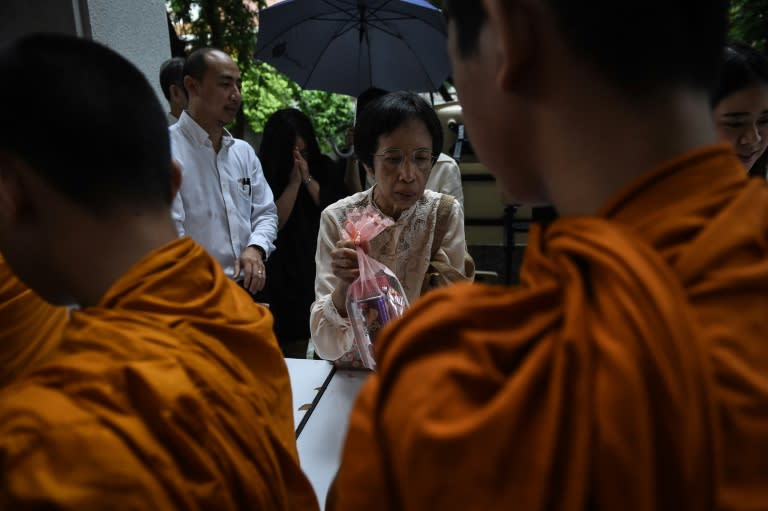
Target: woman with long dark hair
(303,183)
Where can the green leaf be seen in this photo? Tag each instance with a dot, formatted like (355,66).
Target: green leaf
(231,26)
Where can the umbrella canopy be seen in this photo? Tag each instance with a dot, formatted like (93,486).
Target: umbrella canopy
(347,46)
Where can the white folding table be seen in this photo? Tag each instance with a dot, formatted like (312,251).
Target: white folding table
(308,379)
(322,437)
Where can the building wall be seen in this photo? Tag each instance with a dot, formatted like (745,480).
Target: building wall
(137,29)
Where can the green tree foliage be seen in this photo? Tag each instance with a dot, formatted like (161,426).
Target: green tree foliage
(225,24)
(749,23)
(266,90)
(337,114)
(231,26)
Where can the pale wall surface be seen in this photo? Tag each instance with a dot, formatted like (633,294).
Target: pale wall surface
(137,29)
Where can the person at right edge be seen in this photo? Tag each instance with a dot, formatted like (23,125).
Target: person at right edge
(629,369)
(740,105)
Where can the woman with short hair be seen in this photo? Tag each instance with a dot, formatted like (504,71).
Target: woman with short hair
(397,139)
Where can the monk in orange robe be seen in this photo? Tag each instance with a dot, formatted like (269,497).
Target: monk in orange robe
(31,327)
(167,389)
(629,370)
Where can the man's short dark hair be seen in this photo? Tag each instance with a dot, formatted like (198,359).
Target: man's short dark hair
(172,73)
(469,18)
(367,97)
(196,65)
(388,113)
(639,46)
(105,142)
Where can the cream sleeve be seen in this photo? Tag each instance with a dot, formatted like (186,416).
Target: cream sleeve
(454,245)
(331,333)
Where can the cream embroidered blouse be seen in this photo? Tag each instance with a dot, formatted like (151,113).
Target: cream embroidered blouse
(405,248)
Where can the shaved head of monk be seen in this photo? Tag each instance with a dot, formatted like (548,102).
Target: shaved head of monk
(629,369)
(84,154)
(585,84)
(166,389)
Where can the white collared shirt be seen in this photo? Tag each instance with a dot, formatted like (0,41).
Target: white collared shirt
(224,202)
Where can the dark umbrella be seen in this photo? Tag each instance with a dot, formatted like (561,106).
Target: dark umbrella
(347,46)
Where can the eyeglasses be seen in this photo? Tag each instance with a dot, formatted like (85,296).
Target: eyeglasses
(393,159)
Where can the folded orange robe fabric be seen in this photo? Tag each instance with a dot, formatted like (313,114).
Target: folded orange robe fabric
(31,327)
(170,394)
(628,371)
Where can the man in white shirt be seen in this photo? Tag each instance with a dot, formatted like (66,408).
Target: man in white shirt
(171,76)
(224,203)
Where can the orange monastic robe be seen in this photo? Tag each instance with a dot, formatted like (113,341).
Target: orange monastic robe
(142,406)
(628,371)
(30,328)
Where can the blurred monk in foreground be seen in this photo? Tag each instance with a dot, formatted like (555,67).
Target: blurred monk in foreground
(629,370)
(167,389)
(30,328)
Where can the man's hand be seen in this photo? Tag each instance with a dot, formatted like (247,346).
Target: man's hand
(251,267)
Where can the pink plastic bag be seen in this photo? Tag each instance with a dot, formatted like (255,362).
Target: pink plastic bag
(376,297)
